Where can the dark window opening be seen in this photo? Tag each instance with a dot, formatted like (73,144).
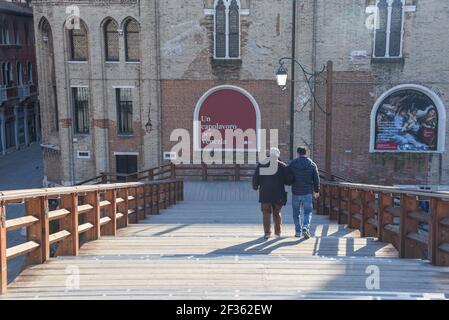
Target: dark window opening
(124,111)
(81,110)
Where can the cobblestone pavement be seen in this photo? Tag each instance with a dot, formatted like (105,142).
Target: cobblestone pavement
(20,169)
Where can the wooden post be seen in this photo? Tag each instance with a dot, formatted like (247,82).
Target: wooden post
(182,190)
(407,225)
(237,172)
(39,231)
(111,228)
(166,195)
(173,171)
(367,213)
(439,233)
(124,194)
(93,216)
(174,192)
(204,172)
(385,200)
(329,107)
(340,194)
(156,197)
(3,261)
(145,201)
(70,245)
(134,205)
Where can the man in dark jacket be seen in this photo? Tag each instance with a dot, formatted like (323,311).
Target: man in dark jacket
(306,185)
(272,194)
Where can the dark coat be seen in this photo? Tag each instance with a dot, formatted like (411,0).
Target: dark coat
(272,188)
(306,176)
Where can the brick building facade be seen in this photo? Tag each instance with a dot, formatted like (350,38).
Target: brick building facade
(19,106)
(345,32)
(175,66)
(134,71)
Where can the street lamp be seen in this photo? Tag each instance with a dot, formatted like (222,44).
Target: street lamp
(281,77)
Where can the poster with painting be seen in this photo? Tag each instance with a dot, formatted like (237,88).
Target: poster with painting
(407,121)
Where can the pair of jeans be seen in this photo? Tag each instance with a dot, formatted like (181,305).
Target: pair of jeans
(274,210)
(305,203)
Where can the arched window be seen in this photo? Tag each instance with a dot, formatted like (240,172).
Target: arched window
(16,34)
(132,40)
(78,43)
(19,74)
(48,64)
(389,29)
(30,72)
(4,32)
(111,39)
(227,29)
(408,118)
(4,74)
(9,74)
(220,30)
(27,34)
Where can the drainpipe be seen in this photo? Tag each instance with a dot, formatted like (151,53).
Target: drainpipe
(293,87)
(314,51)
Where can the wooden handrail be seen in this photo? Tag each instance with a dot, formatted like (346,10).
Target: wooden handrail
(170,171)
(78,213)
(393,215)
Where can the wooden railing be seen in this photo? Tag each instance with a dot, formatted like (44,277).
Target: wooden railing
(203,172)
(415,222)
(64,218)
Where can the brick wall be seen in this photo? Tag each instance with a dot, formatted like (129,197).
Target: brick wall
(179,98)
(351,159)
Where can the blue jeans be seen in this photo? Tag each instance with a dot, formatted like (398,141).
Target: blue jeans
(306,203)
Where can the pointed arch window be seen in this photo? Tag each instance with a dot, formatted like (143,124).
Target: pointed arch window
(19,74)
(4,74)
(27,34)
(227,29)
(16,34)
(78,44)
(132,41)
(30,72)
(4,32)
(111,38)
(389,32)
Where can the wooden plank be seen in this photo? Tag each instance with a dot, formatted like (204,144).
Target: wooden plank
(84,208)
(105,220)
(105,203)
(119,215)
(58,236)
(21,249)
(395,211)
(444,247)
(418,238)
(392,228)
(420,216)
(445,222)
(57,214)
(85,227)
(119,200)
(18,223)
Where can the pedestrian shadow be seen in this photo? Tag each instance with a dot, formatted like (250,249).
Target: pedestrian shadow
(259,246)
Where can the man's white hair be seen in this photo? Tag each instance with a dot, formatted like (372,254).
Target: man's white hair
(275,152)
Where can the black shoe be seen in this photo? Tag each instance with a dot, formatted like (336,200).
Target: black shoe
(306,234)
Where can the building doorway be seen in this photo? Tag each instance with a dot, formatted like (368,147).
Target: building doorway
(125,165)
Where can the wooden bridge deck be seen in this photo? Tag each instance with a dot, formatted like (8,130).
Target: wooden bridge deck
(210,247)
